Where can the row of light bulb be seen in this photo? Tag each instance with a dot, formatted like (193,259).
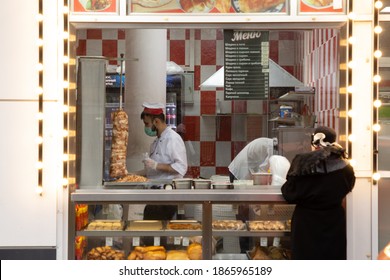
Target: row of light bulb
(376,79)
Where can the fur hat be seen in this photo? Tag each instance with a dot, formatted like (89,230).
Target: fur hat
(323,136)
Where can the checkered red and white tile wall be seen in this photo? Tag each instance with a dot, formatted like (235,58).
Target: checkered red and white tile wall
(213,141)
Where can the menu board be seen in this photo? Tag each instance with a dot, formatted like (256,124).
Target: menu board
(321,6)
(246,63)
(208,6)
(94,6)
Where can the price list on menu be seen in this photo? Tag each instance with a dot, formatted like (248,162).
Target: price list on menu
(246,67)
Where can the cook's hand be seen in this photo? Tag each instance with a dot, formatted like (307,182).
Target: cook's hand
(150,164)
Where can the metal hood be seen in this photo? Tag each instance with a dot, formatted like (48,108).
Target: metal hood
(278,77)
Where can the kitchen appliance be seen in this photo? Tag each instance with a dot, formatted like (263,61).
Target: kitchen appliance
(175,100)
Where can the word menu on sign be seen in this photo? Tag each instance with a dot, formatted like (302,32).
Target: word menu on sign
(246,64)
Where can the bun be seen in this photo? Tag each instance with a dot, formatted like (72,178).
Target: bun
(177,255)
(148,253)
(155,255)
(194,251)
(144,249)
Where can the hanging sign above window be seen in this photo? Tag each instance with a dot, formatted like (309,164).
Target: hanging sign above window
(246,64)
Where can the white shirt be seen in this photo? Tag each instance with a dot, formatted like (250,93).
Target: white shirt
(169,148)
(254,155)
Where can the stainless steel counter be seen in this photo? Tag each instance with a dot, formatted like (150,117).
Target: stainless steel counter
(261,194)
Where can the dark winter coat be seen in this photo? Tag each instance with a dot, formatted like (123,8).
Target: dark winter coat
(317,183)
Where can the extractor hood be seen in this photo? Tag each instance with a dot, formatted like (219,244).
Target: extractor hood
(278,77)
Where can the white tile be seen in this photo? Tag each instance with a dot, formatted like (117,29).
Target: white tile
(206,72)
(220,52)
(193,153)
(207,128)
(255,106)
(223,154)
(193,109)
(82,34)
(94,47)
(208,34)
(197,54)
(225,106)
(207,172)
(177,34)
(110,34)
(239,128)
(121,46)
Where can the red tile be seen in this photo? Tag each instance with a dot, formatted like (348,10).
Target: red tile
(178,51)
(237,147)
(274,50)
(121,34)
(286,35)
(110,49)
(81,48)
(197,34)
(221,170)
(207,153)
(289,69)
(254,128)
(188,34)
(196,77)
(224,129)
(193,172)
(192,125)
(239,106)
(94,34)
(207,102)
(208,52)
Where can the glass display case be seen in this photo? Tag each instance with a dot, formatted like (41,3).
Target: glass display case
(207,217)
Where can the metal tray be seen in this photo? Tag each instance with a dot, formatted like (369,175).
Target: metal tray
(185,222)
(286,228)
(243,225)
(144,225)
(105,221)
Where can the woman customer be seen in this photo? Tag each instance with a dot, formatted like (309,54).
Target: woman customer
(317,182)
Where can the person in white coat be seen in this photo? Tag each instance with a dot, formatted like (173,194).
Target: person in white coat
(254,156)
(167,157)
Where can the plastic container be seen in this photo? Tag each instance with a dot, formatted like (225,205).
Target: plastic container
(285,111)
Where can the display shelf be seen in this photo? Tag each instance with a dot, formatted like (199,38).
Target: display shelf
(295,96)
(207,198)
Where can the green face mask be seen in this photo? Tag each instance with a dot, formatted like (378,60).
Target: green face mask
(150,132)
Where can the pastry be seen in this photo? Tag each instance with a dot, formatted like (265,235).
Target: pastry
(148,253)
(194,251)
(177,255)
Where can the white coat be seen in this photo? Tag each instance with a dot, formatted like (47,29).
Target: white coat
(254,156)
(169,148)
